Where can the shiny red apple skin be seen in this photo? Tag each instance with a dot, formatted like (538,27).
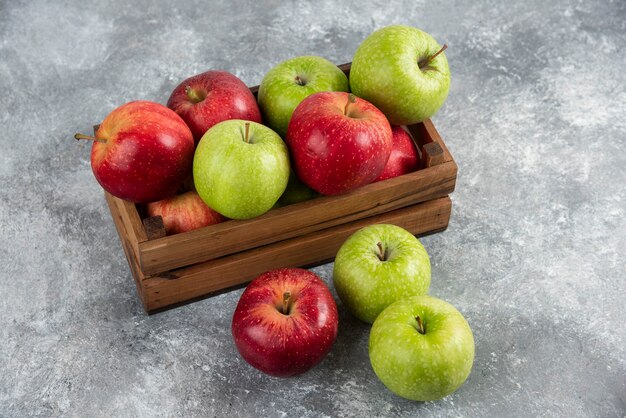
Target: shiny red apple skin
(404,157)
(147,155)
(334,152)
(184,212)
(224,97)
(285,345)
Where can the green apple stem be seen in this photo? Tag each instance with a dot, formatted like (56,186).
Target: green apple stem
(193,95)
(351,99)
(286,299)
(426,61)
(90,138)
(247,132)
(382,252)
(300,81)
(420,325)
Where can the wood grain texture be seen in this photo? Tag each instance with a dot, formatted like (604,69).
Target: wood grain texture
(154,227)
(128,247)
(310,249)
(432,154)
(126,213)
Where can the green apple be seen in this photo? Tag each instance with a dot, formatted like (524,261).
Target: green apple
(290,82)
(240,168)
(295,192)
(421,348)
(402,71)
(378,265)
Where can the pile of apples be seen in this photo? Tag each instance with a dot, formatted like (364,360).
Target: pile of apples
(420,347)
(207,156)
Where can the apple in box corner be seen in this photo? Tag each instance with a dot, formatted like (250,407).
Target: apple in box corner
(212,97)
(285,322)
(338,142)
(404,157)
(184,212)
(142,152)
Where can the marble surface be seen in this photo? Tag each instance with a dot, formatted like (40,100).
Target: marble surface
(533,257)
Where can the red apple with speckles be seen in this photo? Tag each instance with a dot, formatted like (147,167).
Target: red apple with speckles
(285,322)
(404,157)
(184,212)
(212,97)
(142,152)
(338,142)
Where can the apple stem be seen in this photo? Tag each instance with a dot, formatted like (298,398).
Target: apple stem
(78,137)
(300,81)
(420,325)
(247,131)
(382,253)
(351,99)
(193,95)
(286,297)
(426,61)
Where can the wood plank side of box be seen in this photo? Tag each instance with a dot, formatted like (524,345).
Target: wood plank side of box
(190,283)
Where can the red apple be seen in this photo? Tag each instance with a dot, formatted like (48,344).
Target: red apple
(212,97)
(338,142)
(404,157)
(285,322)
(142,152)
(184,212)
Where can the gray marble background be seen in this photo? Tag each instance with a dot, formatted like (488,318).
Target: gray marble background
(533,257)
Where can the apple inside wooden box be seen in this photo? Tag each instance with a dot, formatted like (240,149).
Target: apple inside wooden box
(171,270)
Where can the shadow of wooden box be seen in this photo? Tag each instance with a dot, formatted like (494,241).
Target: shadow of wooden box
(174,270)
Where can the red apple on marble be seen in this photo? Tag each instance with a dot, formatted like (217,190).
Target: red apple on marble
(184,212)
(285,322)
(338,142)
(142,152)
(212,97)
(404,157)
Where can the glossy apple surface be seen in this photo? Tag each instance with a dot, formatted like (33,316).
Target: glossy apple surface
(404,157)
(421,348)
(397,69)
(290,82)
(146,153)
(338,142)
(285,322)
(184,212)
(241,175)
(378,265)
(212,97)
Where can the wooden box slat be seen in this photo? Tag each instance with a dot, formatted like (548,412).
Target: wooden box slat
(177,286)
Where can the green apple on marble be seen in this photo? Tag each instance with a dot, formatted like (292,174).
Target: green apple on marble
(421,348)
(402,71)
(378,265)
(240,168)
(293,80)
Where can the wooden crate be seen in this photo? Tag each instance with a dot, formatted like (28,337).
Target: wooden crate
(171,270)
